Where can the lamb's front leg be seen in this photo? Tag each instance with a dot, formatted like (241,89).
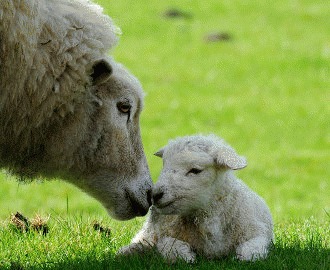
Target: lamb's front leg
(253,249)
(134,248)
(140,244)
(172,249)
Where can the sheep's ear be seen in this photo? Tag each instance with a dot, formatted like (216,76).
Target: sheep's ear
(159,153)
(101,71)
(228,158)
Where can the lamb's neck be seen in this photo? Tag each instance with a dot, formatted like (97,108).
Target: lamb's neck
(224,184)
(195,218)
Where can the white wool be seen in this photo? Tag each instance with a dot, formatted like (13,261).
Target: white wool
(47,49)
(60,97)
(32,33)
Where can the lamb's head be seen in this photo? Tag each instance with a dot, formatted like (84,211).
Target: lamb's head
(192,170)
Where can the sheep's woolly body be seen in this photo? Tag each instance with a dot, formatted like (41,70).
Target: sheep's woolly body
(234,220)
(45,48)
(46,51)
(63,102)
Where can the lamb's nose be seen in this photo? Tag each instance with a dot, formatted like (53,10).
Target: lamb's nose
(157,196)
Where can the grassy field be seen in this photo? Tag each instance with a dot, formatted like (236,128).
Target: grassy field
(73,244)
(265,89)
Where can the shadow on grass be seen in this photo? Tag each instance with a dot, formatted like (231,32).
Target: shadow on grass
(280,257)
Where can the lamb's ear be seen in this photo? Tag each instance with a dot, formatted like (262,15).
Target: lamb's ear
(101,71)
(159,153)
(228,158)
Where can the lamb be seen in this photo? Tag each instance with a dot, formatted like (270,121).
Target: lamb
(67,109)
(200,207)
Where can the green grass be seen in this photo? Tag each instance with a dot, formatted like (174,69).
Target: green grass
(72,243)
(266,91)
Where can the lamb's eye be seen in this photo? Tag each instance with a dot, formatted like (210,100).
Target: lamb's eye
(124,107)
(194,171)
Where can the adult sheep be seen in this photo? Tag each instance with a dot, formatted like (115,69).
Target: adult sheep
(66,109)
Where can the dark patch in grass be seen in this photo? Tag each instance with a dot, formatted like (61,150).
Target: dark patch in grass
(22,224)
(218,37)
(103,230)
(173,13)
(16,266)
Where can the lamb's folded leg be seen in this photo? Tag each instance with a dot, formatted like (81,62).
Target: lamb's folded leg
(142,242)
(253,249)
(134,248)
(172,249)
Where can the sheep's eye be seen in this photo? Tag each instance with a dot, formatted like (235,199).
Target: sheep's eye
(195,171)
(124,107)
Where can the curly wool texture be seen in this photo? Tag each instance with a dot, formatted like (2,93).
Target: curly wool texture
(67,109)
(46,51)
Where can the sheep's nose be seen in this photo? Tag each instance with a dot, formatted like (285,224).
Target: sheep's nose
(149,195)
(157,196)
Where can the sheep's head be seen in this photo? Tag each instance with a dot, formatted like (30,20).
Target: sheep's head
(190,174)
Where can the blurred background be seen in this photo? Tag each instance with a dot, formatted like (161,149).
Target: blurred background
(253,72)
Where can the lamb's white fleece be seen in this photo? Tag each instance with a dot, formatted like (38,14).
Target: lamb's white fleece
(201,207)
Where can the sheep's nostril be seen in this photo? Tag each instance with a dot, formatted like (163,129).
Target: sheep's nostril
(156,197)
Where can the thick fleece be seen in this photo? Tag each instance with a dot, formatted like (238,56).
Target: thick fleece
(67,109)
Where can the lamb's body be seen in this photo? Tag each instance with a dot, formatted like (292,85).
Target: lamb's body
(222,217)
(219,230)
